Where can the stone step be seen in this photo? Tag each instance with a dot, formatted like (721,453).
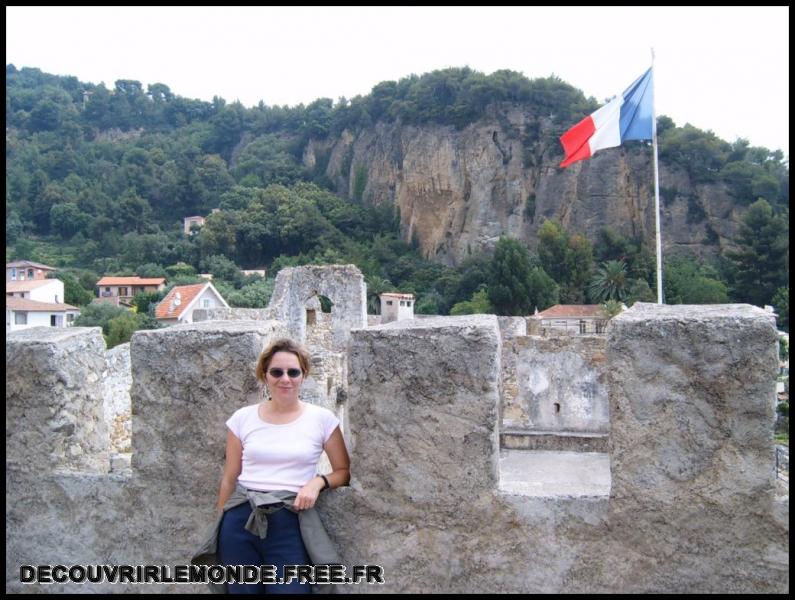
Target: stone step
(573,441)
(548,474)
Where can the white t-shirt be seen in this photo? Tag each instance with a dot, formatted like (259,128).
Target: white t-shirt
(281,457)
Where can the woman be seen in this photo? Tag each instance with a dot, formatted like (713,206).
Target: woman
(272,450)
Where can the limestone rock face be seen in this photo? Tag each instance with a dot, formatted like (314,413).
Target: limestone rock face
(66,428)
(459,190)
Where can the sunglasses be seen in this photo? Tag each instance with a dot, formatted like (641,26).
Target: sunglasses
(291,373)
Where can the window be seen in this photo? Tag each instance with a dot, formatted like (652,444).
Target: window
(53,321)
(70,318)
(20,318)
(30,273)
(408,303)
(13,273)
(389,303)
(402,303)
(207,302)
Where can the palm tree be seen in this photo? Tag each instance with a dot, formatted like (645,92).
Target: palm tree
(609,282)
(375,287)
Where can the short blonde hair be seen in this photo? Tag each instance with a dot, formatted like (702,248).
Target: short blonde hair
(282,345)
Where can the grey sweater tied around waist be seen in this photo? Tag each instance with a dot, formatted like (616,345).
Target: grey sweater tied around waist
(317,542)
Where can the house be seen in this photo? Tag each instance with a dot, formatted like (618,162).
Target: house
(40,290)
(197,220)
(179,304)
(261,272)
(122,290)
(25,270)
(571,318)
(37,303)
(191,221)
(396,307)
(23,313)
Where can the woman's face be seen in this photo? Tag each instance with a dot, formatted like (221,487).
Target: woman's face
(284,386)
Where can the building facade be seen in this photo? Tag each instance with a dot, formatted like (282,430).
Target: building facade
(180,302)
(122,290)
(396,307)
(25,270)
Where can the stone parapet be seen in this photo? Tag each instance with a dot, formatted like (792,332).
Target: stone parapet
(692,390)
(55,417)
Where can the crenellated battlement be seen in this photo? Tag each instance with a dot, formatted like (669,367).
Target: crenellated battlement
(683,397)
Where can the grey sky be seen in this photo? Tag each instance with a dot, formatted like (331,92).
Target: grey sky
(723,68)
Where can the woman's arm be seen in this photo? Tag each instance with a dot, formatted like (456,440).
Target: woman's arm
(340,475)
(340,461)
(232,467)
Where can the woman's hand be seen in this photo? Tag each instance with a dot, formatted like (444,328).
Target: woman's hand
(307,495)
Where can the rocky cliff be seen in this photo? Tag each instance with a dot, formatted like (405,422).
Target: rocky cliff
(459,190)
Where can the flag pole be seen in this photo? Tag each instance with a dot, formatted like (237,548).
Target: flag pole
(656,189)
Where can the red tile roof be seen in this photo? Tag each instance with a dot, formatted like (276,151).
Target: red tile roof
(168,310)
(572,311)
(35,306)
(131,281)
(29,263)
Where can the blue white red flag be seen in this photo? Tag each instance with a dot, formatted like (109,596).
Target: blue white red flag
(626,117)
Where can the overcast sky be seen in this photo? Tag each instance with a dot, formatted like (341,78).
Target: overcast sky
(723,68)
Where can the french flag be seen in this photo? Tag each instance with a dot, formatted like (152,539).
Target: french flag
(629,116)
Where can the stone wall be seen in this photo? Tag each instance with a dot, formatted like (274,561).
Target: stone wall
(692,390)
(117,380)
(55,417)
(691,507)
(296,287)
(231,314)
(555,384)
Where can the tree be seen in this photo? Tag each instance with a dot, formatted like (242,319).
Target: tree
(120,329)
(609,282)
(74,293)
(781,305)
(151,270)
(760,265)
(510,285)
(611,308)
(568,259)
(687,282)
(479,304)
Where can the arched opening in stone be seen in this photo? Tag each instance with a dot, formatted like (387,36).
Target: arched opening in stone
(325,303)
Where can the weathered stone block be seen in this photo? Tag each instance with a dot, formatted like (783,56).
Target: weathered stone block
(54,400)
(423,410)
(691,400)
(187,380)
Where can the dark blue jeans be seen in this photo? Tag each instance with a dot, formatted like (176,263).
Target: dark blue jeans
(282,546)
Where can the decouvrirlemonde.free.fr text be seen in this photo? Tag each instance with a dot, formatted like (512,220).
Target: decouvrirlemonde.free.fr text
(268,574)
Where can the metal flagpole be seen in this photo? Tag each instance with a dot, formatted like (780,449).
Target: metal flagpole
(656,188)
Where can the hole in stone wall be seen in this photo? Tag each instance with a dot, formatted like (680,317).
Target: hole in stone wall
(557,407)
(325,303)
(311,317)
